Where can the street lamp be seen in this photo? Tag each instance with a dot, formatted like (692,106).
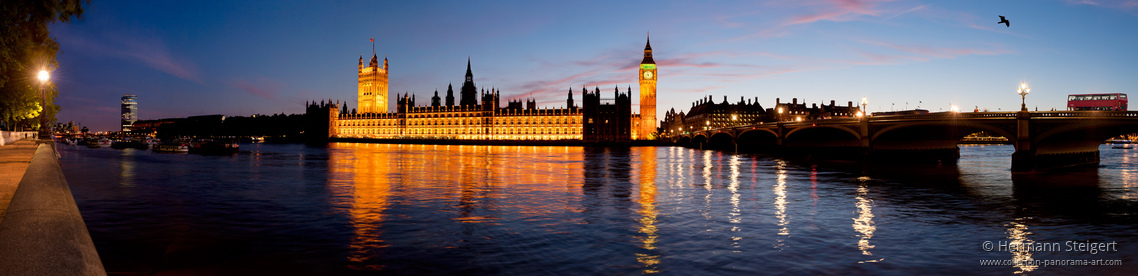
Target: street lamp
(1022,91)
(44,76)
(863,103)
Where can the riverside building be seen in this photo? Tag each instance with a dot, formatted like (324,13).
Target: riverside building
(479,116)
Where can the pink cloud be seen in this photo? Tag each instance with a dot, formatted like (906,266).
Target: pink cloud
(146,49)
(921,7)
(1128,5)
(261,87)
(940,52)
(838,10)
(108,109)
(610,70)
(700,90)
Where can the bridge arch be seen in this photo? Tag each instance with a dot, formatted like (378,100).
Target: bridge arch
(1081,137)
(946,134)
(699,140)
(975,127)
(822,136)
(846,129)
(766,130)
(757,140)
(721,141)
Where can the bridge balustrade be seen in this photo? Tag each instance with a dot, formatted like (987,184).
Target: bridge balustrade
(1108,114)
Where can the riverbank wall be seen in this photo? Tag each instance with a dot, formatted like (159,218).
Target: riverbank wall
(42,232)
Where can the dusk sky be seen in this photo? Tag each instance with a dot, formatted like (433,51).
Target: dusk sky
(199,58)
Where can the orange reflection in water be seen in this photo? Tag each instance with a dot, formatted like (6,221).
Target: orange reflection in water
(480,184)
(358,181)
(646,158)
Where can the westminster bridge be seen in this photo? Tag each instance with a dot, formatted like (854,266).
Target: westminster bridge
(1042,139)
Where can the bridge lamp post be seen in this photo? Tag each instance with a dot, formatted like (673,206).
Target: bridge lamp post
(44,76)
(1022,91)
(780,114)
(863,103)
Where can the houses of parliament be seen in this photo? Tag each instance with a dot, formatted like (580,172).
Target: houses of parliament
(602,117)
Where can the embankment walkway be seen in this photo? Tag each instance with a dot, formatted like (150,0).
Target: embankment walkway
(41,230)
(14,160)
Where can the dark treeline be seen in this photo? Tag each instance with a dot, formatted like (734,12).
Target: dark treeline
(278,127)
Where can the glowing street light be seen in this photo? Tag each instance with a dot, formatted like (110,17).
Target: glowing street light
(44,76)
(863,103)
(1022,91)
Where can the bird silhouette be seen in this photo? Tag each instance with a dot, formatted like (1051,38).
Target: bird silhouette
(1004,21)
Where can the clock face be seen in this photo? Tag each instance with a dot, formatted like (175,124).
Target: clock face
(647,74)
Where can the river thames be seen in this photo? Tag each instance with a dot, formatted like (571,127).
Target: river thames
(361,209)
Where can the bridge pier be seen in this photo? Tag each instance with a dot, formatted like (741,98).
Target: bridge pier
(1023,161)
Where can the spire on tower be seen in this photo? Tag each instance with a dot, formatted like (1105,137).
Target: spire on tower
(648,52)
(648,44)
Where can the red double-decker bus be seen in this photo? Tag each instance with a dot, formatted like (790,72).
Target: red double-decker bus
(1111,101)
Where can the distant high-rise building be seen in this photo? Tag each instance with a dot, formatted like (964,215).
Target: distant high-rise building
(129,111)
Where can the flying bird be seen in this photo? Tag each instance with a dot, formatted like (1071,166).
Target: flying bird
(1004,21)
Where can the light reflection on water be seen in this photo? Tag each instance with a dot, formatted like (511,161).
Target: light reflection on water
(435,209)
(863,223)
(1019,246)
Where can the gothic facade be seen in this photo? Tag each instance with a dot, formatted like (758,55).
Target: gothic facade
(372,93)
(478,114)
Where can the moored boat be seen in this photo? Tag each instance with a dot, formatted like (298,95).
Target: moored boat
(214,147)
(130,143)
(177,145)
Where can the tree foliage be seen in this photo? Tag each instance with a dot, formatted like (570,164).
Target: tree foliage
(26,47)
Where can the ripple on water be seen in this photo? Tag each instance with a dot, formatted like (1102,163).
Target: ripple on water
(427,209)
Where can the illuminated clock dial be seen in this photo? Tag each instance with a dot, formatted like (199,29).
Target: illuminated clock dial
(647,74)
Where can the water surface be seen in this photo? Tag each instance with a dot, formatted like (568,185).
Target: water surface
(433,209)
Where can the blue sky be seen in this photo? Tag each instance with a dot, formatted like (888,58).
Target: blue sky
(193,58)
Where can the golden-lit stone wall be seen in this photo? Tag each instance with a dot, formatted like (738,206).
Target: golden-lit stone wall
(634,125)
(463,123)
(536,124)
(372,93)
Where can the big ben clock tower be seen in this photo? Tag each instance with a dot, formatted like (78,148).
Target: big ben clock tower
(647,94)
